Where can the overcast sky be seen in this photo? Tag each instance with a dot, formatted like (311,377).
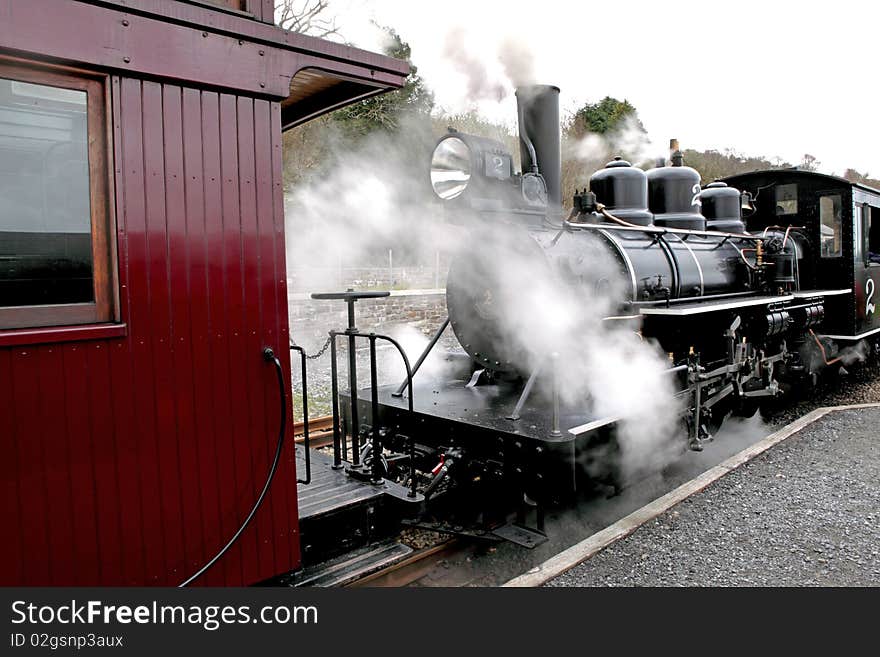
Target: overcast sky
(771,78)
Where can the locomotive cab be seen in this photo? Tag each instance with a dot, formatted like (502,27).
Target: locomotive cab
(839,223)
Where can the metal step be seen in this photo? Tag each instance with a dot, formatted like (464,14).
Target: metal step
(352,566)
(332,491)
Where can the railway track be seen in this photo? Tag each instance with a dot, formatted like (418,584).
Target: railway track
(320,431)
(414,567)
(406,571)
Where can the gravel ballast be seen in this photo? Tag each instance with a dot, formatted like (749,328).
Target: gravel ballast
(804,513)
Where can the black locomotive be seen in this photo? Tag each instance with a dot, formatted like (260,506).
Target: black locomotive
(751,287)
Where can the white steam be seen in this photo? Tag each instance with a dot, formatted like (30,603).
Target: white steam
(435,367)
(490,77)
(629,140)
(518,62)
(374,195)
(604,367)
(481,83)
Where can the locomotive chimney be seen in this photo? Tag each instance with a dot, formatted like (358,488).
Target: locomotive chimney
(539,137)
(676,157)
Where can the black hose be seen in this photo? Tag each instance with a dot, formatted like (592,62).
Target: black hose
(268,356)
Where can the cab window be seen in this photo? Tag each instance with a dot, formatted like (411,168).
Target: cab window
(830,225)
(871,223)
(786,199)
(860,244)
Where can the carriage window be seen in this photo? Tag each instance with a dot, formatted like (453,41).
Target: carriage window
(54,254)
(831,225)
(786,199)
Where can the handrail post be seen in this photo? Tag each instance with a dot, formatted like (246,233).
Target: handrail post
(377,438)
(409,382)
(305,405)
(352,331)
(334,401)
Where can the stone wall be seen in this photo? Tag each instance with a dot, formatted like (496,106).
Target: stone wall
(310,320)
(333,277)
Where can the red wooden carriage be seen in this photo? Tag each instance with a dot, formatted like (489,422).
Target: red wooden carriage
(142,271)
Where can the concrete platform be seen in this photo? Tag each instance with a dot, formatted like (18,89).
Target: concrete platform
(801,507)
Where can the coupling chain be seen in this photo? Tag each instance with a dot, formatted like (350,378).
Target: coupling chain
(320,351)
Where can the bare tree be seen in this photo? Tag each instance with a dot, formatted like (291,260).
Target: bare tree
(809,163)
(306,17)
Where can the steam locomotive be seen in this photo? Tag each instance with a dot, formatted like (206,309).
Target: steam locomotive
(752,287)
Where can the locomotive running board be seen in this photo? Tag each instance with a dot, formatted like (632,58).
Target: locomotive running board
(703,307)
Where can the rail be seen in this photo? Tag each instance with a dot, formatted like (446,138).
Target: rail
(320,431)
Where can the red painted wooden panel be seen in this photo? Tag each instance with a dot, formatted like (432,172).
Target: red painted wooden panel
(161,380)
(263,10)
(105,458)
(56,455)
(311,51)
(202,510)
(222,438)
(131,460)
(128,159)
(186,54)
(11,516)
(76,380)
(25,374)
(253,329)
(179,342)
(265,214)
(291,532)
(238,456)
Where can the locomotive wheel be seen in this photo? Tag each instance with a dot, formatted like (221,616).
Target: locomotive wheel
(747,407)
(716,417)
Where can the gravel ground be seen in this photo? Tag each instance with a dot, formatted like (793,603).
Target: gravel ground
(860,385)
(805,513)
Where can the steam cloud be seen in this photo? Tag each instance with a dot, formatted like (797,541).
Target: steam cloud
(480,82)
(484,81)
(373,195)
(518,62)
(602,366)
(629,140)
